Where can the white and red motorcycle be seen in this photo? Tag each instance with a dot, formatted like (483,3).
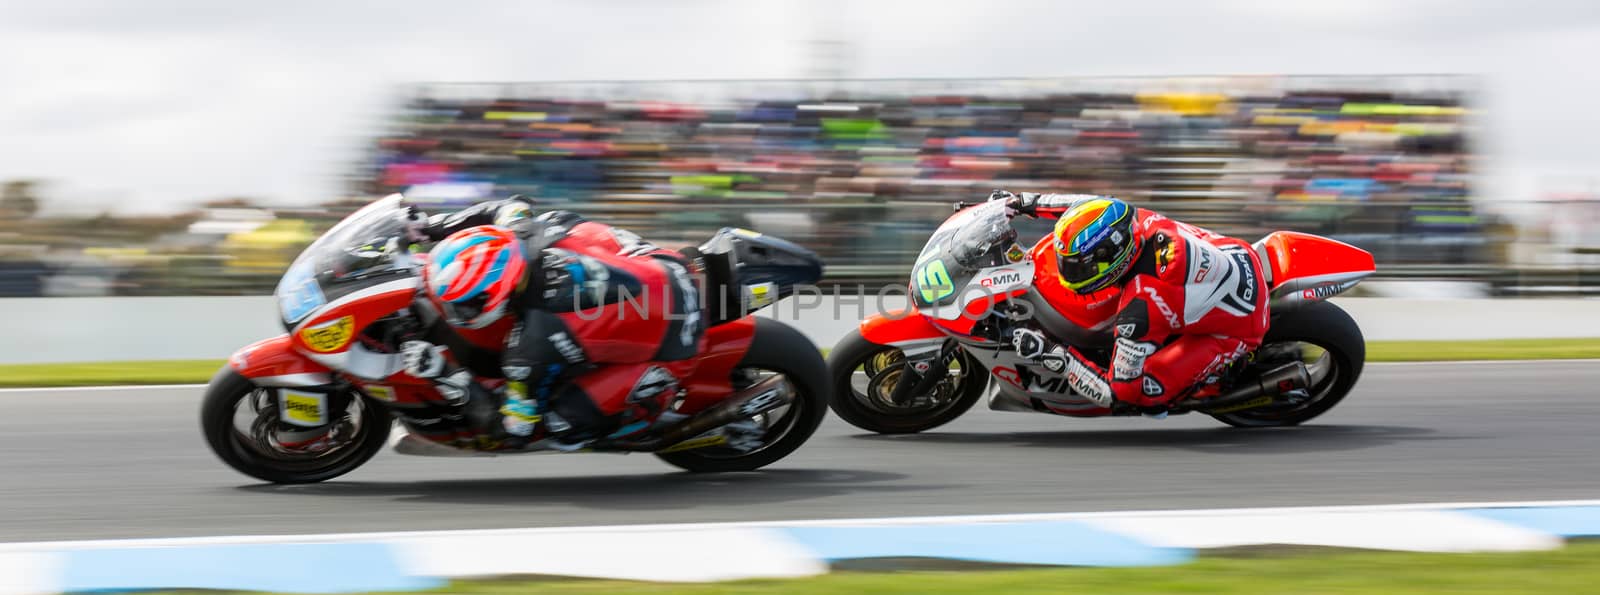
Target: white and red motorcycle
(915,369)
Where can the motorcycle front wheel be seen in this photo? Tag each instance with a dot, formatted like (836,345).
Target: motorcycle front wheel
(240,423)
(865,373)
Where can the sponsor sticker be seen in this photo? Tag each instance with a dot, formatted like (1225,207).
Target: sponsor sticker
(746,233)
(1015,254)
(1161,304)
(302,408)
(569,350)
(1007,374)
(760,294)
(329,336)
(1151,387)
(379,392)
(1127,330)
(1322,292)
(1088,384)
(1001,278)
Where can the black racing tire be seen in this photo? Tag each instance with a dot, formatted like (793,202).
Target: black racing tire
(776,347)
(1325,325)
(217,412)
(853,351)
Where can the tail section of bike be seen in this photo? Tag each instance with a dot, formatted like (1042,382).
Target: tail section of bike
(1303,268)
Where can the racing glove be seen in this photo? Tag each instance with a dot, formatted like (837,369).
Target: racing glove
(1017,204)
(415,224)
(426,360)
(1085,379)
(423,359)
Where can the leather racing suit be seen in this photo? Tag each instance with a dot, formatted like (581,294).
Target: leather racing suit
(1193,302)
(605,326)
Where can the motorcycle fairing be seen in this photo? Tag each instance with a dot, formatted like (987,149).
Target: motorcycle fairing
(1303,268)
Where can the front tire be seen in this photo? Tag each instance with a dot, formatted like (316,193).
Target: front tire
(777,348)
(1329,329)
(860,407)
(254,452)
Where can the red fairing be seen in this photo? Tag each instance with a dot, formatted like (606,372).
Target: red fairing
(1293,255)
(724,347)
(892,327)
(273,357)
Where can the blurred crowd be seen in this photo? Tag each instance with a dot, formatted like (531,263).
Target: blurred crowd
(861,172)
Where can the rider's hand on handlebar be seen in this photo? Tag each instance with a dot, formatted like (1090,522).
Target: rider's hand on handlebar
(415,222)
(423,359)
(1017,204)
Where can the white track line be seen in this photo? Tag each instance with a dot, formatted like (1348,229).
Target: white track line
(922,520)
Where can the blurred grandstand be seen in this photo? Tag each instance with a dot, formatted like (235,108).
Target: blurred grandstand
(862,171)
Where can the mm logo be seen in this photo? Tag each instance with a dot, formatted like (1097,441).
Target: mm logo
(329,336)
(1001,278)
(933,281)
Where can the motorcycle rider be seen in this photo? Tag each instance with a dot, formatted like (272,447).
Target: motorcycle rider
(1188,302)
(593,325)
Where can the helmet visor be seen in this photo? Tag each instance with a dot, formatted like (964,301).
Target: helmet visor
(467,310)
(1082,269)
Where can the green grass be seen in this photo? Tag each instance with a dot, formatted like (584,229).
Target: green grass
(199,371)
(1504,349)
(108,373)
(1575,569)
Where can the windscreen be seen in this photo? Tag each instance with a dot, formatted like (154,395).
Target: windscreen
(970,241)
(361,251)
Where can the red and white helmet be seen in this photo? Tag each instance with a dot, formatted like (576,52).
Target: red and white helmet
(473,274)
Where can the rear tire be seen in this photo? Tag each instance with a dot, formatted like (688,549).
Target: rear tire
(1327,326)
(778,348)
(217,422)
(854,351)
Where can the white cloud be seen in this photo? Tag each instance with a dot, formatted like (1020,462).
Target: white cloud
(157,103)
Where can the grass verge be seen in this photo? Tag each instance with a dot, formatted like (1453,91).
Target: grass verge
(1502,349)
(1575,569)
(109,373)
(199,371)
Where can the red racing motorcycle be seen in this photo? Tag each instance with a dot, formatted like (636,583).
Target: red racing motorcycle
(320,400)
(914,369)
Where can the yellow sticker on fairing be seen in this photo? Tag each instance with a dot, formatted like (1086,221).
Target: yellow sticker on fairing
(760,294)
(380,392)
(303,409)
(329,336)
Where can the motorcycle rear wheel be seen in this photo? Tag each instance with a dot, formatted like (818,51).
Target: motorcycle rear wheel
(363,429)
(1327,328)
(777,349)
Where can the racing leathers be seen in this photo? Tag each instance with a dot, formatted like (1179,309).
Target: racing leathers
(1192,303)
(598,337)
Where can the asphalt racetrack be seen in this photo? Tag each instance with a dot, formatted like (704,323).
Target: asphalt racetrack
(79,464)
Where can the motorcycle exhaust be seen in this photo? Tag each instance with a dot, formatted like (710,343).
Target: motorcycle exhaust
(758,398)
(1266,388)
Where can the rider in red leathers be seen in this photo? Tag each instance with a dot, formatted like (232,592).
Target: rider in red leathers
(593,326)
(1187,302)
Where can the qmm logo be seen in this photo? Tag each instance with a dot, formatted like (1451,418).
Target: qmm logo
(933,281)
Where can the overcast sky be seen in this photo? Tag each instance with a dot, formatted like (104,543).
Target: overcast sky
(153,104)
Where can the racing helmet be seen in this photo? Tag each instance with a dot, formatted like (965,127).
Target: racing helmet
(1096,242)
(473,274)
